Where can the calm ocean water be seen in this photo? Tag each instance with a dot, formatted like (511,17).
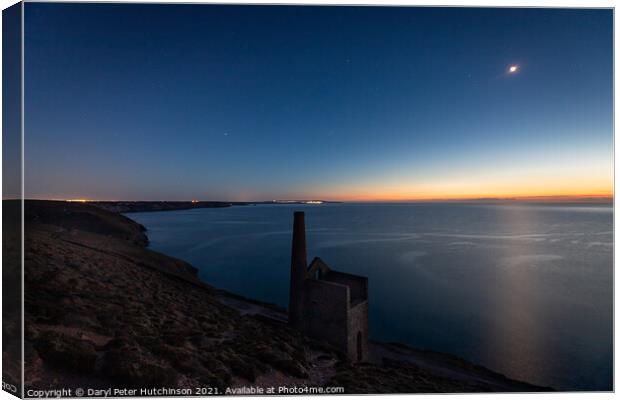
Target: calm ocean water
(525,290)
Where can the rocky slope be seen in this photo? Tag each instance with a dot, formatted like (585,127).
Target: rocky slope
(102,310)
(146,206)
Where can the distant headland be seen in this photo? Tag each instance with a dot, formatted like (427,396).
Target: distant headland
(146,206)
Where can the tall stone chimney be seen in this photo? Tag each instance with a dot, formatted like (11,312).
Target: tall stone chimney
(298,271)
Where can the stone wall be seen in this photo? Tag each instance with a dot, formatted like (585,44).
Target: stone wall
(325,311)
(357,284)
(358,324)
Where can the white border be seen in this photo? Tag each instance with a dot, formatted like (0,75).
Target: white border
(479,3)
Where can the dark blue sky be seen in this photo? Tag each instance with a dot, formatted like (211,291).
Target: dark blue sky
(259,102)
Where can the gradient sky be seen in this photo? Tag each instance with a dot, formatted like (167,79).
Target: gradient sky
(347,103)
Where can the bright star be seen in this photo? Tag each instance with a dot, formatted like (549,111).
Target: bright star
(513,69)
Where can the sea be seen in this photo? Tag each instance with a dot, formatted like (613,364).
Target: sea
(523,289)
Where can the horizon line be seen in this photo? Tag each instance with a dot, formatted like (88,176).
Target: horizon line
(533,198)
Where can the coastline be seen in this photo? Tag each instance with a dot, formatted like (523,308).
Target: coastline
(68,229)
(126,207)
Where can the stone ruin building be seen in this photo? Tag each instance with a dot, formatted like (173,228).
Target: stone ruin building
(327,304)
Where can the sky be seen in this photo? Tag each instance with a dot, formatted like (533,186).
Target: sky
(242,103)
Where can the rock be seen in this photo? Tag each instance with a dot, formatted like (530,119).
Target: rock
(66,352)
(128,368)
(243,369)
(291,367)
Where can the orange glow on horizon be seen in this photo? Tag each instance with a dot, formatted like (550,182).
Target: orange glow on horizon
(439,195)
(526,186)
(456,197)
(452,191)
(392,194)
(598,196)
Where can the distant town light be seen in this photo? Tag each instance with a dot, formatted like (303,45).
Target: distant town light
(77,200)
(298,201)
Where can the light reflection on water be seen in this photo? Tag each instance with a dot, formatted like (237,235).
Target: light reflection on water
(522,289)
